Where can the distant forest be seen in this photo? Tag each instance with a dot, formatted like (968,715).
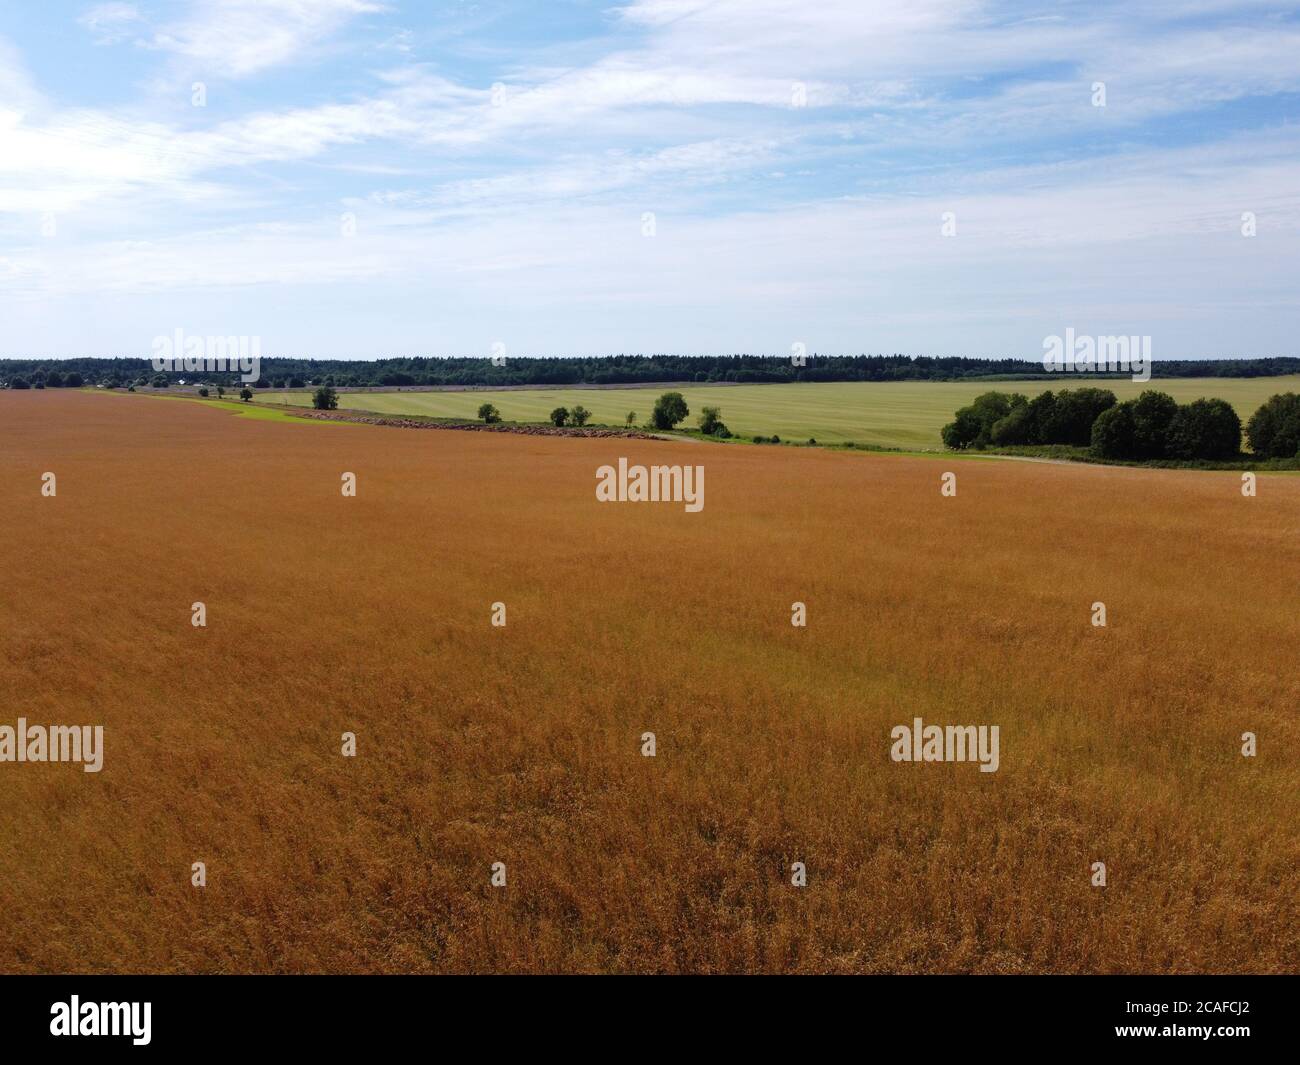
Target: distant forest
(605,370)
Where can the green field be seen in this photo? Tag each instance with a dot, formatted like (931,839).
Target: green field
(906,414)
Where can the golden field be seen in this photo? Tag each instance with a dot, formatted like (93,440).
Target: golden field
(522,744)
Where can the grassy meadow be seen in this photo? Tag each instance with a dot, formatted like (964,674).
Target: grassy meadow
(903,414)
(522,744)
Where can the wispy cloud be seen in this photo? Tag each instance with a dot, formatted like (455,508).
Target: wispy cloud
(111,23)
(237,38)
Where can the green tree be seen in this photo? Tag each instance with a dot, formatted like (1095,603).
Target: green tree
(1113,433)
(1073,415)
(245,393)
(973,425)
(203,392)
(489,413)
(1042,418)
(711,422)
(1017,427)
(670,408)
(1205,429)
(325,398)
(631,419)
(559,416)
(960,433)
(579,415)
(1274,429)
(1153,413)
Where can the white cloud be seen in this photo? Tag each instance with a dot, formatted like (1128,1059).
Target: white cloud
(575,179)
(1091,230)
(18,94)
(236,38)
(110,23)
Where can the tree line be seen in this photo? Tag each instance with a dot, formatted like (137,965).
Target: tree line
(52,379)
(669,409)
(289,372)
(1152,426)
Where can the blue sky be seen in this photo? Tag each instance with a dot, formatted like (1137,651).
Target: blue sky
(360,178)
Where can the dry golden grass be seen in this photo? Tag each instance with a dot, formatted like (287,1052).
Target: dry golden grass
(521,744)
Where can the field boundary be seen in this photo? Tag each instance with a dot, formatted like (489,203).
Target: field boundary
(399,422)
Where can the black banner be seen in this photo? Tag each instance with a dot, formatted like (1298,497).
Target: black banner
(147,1014)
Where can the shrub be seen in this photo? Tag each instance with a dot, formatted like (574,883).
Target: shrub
(325,398)
(245,393)
(203,392)
(711,422)
(631,419)
(670,408)
(1274,429)
(19,383)
(489,413)
(559,416)
(1205,429)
